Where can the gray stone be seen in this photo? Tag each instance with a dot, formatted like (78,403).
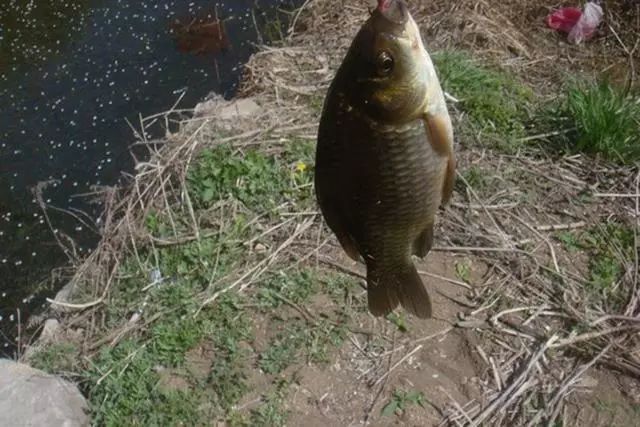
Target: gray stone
(29,397)
(50,331)
(220,109)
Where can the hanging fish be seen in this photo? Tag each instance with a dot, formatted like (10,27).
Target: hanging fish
(385,161)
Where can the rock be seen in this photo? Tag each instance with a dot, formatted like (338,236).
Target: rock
(220,109)
(29,397)
(50,331)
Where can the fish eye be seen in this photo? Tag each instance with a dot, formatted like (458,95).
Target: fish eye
(385,63)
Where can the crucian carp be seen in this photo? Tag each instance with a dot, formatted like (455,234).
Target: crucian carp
(384,158)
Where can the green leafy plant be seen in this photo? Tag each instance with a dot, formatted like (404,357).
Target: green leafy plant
(399,321)
(400,400)
(463,270)
(252,178)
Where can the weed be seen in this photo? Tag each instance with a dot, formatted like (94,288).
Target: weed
(254,179)
(603,406)
(570,240)
(125,383)
(316,102)
(321,338)
(273,30)
(297,149)
(400,400)
(608,246)
(298,337)
(272,411)
(606,121)
(282,351)
(123,380)
(259,181)
(463,270)
(476,178)
(296,287)
(300,157)
(339,287)
(399,321)
(495,101)
(55,358)
(228,381)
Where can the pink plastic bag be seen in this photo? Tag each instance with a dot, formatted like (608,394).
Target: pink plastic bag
(578,24)
(564,19)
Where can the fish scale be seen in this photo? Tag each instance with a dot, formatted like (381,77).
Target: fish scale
(400,197)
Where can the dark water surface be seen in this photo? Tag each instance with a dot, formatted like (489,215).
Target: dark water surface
(71,71)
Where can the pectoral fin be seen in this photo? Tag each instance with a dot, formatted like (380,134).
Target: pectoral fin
(440,133)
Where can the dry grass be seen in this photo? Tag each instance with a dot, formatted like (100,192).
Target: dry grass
(541,330)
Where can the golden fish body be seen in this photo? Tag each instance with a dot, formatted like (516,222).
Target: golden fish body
(384,159)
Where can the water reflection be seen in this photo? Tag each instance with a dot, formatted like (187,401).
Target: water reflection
(200,35)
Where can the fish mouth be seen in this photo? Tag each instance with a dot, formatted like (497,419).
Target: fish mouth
(395,11)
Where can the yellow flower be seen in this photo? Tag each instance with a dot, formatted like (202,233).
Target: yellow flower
(301,167)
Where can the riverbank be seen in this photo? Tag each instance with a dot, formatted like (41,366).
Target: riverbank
(65,123)
(218,295)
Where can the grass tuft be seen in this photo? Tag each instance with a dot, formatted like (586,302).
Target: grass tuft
(495,102)
(606,121)
(609,247)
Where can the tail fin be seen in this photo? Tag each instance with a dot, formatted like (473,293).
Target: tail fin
(400,286)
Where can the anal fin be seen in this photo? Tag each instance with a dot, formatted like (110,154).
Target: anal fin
(423,243)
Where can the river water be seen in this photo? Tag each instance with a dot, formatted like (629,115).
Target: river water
(72,72)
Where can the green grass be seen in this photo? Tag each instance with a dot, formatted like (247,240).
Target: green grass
(608,247)
(401,400)
(55,358)
(295,286)
(476,178)
(252,178)
(595,118)
(122,383)
(570,240)
(398,319)
(297,340)
(496,103)
(606,121)
(272,411)
(259,181)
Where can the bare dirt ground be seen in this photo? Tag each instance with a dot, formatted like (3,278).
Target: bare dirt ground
(430,356)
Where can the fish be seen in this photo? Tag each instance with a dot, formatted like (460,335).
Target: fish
(385,161)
